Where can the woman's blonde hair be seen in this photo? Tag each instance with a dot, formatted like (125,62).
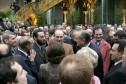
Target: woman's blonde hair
(90,54)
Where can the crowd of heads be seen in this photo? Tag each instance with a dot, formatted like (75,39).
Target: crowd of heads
(77,68)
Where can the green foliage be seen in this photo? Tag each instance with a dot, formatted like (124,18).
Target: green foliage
(41,17)
(2,15)
(13,18)
(118,15)
(97,17)
(8,14)
(73,18)
(18,1)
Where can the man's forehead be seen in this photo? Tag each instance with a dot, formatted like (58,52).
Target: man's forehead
(40,33)
(59,32)
(98,30)
(12,35)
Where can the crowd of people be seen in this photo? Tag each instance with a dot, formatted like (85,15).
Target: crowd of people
(60,54)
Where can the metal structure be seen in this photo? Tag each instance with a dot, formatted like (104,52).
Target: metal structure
(68,6)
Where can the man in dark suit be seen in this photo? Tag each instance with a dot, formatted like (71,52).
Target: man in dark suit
(27,54)
(39,46)
(117,74)
(72,41)
(83,40)
(9,39)
(6,57)
(3,23)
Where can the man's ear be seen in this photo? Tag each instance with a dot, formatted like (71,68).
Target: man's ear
(5,41)
(124,38)
(121,54)
(35,38)
(83,40)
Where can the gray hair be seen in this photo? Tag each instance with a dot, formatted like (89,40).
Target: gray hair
(6,34)
(90,54)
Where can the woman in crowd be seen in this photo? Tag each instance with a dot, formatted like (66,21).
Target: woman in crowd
(92,56)
(48,73)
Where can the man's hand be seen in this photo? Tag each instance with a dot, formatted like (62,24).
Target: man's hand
(32,55)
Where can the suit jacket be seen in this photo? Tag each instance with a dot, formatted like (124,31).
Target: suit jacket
(31,64)
(98,71)
(48,74)
(4,26)
(40,55)
(116,75)
(68,49)
(73,43)
(30,79)
(20,60)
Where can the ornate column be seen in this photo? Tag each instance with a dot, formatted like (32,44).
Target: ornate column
(92,3)
(123,3)
(65,16)
(71,5)
(65,10)
(85,11)
(124,15)
(86,17)
(92,16)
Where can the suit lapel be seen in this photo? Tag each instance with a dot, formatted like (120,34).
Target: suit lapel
(113,69)
(38,51)
(23,55)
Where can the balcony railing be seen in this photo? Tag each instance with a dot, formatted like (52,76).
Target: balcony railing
(25,12)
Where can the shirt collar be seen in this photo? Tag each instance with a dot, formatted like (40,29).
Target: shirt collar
(88,44)
(99,41)
(23,52)
(117,62)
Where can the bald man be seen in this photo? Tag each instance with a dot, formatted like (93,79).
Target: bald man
(26,52)
(59,37)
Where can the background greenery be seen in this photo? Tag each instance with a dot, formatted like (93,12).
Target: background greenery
(41,17)
(73,18)
(8,14)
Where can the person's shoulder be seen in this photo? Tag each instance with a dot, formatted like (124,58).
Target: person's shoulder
(106,44)
(31,79)
(44,66)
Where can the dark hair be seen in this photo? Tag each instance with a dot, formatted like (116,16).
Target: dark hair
(6,35)
(55,53)
(6,61)
(35,32)
(122,45)
(104,29)
(86,36)
(121,34)
(6,73)
(72,33)
(23,45)
(98,27)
